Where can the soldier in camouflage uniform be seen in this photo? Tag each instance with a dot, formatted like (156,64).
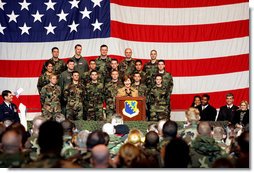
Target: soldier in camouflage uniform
(103,62)
(151,69)
(85,77)
(94,98)
(138,68)
(59,65)
(158,99)
(74,94)
(44,78)
(113,66)
(81,64)
(166,78)
(64,80)
(127,66)
(142,89)
(111,92)
(50,98)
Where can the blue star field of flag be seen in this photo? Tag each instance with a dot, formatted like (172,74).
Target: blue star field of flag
(53,20)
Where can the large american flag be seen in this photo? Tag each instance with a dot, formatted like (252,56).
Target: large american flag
(205,43)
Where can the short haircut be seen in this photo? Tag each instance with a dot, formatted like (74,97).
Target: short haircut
(158,74)
(114,71)
(114,60)
(92,60)
(207,96)
(5,93)
(95,138)
(54,49)
(104,45)
(74,72)
(170,129)
(153,51)
(136,73)
(161,60)
(70,60)
(204,128)
(77,45)
(52,75)
(93,72)
(138,60)
(229,95)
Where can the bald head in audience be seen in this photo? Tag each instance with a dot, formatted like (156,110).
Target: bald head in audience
(100,156)
(204,128)
(11,142)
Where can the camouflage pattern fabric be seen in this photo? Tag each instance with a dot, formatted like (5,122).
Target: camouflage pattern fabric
(74,96)
(58,66)
(80,64)
(102,66)
(126,67)
(50,99)
(42,81)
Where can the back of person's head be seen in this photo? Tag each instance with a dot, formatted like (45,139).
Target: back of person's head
(223,163)
(37,122)
(170,129)
(82,138)
(243,142)
(21,130)
(100,156)
(152,127)
(106,138)
(204,128)
(177,154)
(108,128)
(68,127)
(135,137)
(152,140)
(11,141)
(95,138)
(128,155)
(219,133)
(160,126)
(50,137)
(116,119)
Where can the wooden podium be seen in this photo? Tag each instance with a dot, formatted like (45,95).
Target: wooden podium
(131,108)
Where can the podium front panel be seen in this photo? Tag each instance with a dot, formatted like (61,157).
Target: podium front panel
(131,108)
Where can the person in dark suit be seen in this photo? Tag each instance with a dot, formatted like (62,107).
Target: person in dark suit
(207,112)
(8,110)
(228,112)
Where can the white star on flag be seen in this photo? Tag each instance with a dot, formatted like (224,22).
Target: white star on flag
(97,25)
(2,4)
(50,29)
(13,17)
(2,29)
(37,16)
(85,13)
(24,29)
(62,16)
(50,5)
(24,5)
(74,3)
(96,3)
(73,26)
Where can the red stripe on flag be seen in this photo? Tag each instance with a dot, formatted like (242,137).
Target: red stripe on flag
(178,101)
(188,67)
(187,33)
(175,3)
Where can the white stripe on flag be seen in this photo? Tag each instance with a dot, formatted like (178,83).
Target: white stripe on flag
(172,51)
(182,85)
(179,16)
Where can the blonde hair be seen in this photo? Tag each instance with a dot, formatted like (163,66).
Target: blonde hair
(135,136)
(246,102)
(192,114)
(128,154)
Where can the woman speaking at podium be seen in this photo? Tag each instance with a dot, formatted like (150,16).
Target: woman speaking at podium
(127,90)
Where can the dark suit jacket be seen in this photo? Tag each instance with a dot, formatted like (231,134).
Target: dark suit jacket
(7,113)
(245,120)
(208,114)
(226,114)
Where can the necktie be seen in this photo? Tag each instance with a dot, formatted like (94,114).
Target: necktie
(10,106)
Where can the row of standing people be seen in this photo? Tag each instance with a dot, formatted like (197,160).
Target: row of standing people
(83,89)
